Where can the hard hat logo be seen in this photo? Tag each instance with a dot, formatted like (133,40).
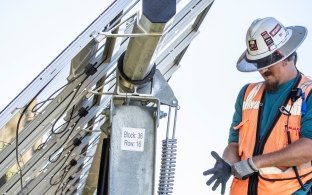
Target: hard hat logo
(268,40)
(275,30)
(264,38)
(253,45)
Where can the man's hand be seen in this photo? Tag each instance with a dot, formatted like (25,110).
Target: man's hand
(221,173)
(244,169)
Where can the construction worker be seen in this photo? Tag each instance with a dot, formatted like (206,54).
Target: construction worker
(270,140)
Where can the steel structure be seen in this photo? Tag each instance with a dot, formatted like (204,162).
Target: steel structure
(83,98)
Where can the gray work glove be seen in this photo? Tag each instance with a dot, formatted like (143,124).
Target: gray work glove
(221,172)
(244,169)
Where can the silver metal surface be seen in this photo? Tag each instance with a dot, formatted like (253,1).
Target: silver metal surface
(132,153)
(103,51)
(62,60)
(138,58)
(163,91)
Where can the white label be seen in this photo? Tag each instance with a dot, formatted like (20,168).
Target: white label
(132,139)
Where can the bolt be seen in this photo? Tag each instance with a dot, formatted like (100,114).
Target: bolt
(162,114)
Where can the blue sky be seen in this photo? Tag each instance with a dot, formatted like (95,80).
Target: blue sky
(34,32)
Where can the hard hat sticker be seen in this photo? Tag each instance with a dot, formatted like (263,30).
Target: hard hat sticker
(267,39)
(253,45)
(275,30)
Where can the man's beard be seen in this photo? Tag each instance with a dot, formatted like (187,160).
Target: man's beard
(271,87)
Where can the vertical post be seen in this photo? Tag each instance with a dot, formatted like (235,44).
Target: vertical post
(132,149)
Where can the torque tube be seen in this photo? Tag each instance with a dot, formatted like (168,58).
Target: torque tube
(139,57)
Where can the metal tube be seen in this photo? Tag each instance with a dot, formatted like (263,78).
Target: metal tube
(141,50)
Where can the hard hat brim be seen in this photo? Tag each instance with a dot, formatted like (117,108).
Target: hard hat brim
(298,35)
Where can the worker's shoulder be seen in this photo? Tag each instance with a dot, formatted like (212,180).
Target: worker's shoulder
(252,84)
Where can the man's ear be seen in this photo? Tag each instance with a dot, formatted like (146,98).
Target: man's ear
(285,62)
(288,62)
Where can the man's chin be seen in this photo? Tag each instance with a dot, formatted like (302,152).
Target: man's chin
(271,86)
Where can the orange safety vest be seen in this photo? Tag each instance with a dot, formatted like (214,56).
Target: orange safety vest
(271,180)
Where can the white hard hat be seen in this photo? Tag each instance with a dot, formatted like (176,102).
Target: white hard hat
(269,42)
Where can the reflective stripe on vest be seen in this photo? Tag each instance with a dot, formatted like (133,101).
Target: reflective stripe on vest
(272,180)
